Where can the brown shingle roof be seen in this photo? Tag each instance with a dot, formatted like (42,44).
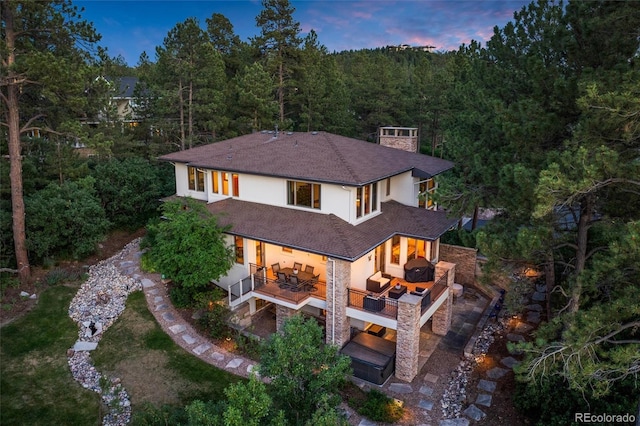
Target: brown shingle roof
(312,156)
(327,234)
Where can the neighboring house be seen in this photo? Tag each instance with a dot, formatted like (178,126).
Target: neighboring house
(351,211)
(124,101)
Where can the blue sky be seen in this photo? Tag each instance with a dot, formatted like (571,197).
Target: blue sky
(129,27)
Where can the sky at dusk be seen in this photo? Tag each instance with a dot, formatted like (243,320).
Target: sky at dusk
(129,27)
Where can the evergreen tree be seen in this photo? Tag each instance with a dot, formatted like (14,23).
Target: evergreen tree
(188,85)
(279,45)
(256,106)
(45,73)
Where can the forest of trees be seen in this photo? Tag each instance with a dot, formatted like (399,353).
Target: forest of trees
(543,124)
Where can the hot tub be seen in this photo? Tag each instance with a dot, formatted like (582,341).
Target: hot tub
(372,358)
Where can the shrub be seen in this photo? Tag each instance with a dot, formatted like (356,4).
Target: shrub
(66,219)
(377,406)
(58,276)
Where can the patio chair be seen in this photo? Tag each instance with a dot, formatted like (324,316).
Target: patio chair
(308,269)
(282,280)
(294,282)
(297,265)
(311,285)
(276,268)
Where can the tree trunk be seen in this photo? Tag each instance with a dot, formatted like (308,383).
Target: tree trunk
(15,154)
(434,133)
(586,212)
(474,220)
(281,88)
(181,106)
(190,114)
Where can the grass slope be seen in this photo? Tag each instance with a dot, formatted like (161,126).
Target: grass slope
(36,386)
(153,369)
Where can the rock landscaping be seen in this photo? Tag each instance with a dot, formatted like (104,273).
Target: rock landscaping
(95,307)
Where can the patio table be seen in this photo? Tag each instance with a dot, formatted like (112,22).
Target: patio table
(303,276)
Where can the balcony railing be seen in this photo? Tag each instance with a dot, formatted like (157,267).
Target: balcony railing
(260,281)
(384,306)
(387,306)
(435,291)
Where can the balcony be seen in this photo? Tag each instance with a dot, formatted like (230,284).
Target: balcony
(263,283)
(385,306)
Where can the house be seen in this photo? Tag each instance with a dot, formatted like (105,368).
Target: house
(124,100)
(121,101)
(326,224)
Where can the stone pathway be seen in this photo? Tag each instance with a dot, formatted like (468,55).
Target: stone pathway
(181,332)
(99,303)
(488,385)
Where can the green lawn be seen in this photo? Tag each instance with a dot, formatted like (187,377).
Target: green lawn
(36,386)
(152,367)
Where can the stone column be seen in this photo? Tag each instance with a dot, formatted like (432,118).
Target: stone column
(408,337)
(337,325)
(282,314)
(441,319)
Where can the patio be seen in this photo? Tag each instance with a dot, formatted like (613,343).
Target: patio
(467,311)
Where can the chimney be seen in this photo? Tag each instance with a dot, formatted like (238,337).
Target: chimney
(405,138)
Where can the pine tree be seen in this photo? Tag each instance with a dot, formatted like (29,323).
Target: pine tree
(45,73)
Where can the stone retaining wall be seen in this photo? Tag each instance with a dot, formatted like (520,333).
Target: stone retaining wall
(465,260)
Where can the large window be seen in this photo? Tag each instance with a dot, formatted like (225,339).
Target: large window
(395,250)
(196,179)
(303,194)
(416,248)
(239,245)
(215,185)
(230,184)
(366,199)
(427,189)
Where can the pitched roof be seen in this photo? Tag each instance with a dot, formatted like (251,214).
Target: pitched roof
(127,86)
(327,234)
(311,156)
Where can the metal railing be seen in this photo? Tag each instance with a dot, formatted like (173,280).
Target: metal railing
(363,300)
(260,282)
(435,291)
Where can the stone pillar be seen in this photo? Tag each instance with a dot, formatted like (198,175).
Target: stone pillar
(441,319)
(337,325)
(282,314)
(408,337)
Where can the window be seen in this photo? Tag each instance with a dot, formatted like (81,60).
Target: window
(411,248)
(214,182)
(425,197)
(422,248)
(232,188)
(236,185)
(395,250)
(225,183)
(287,249)
(388,186)
(374,197)
(239,245)
(196,179)
(366,199)
(303,194)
